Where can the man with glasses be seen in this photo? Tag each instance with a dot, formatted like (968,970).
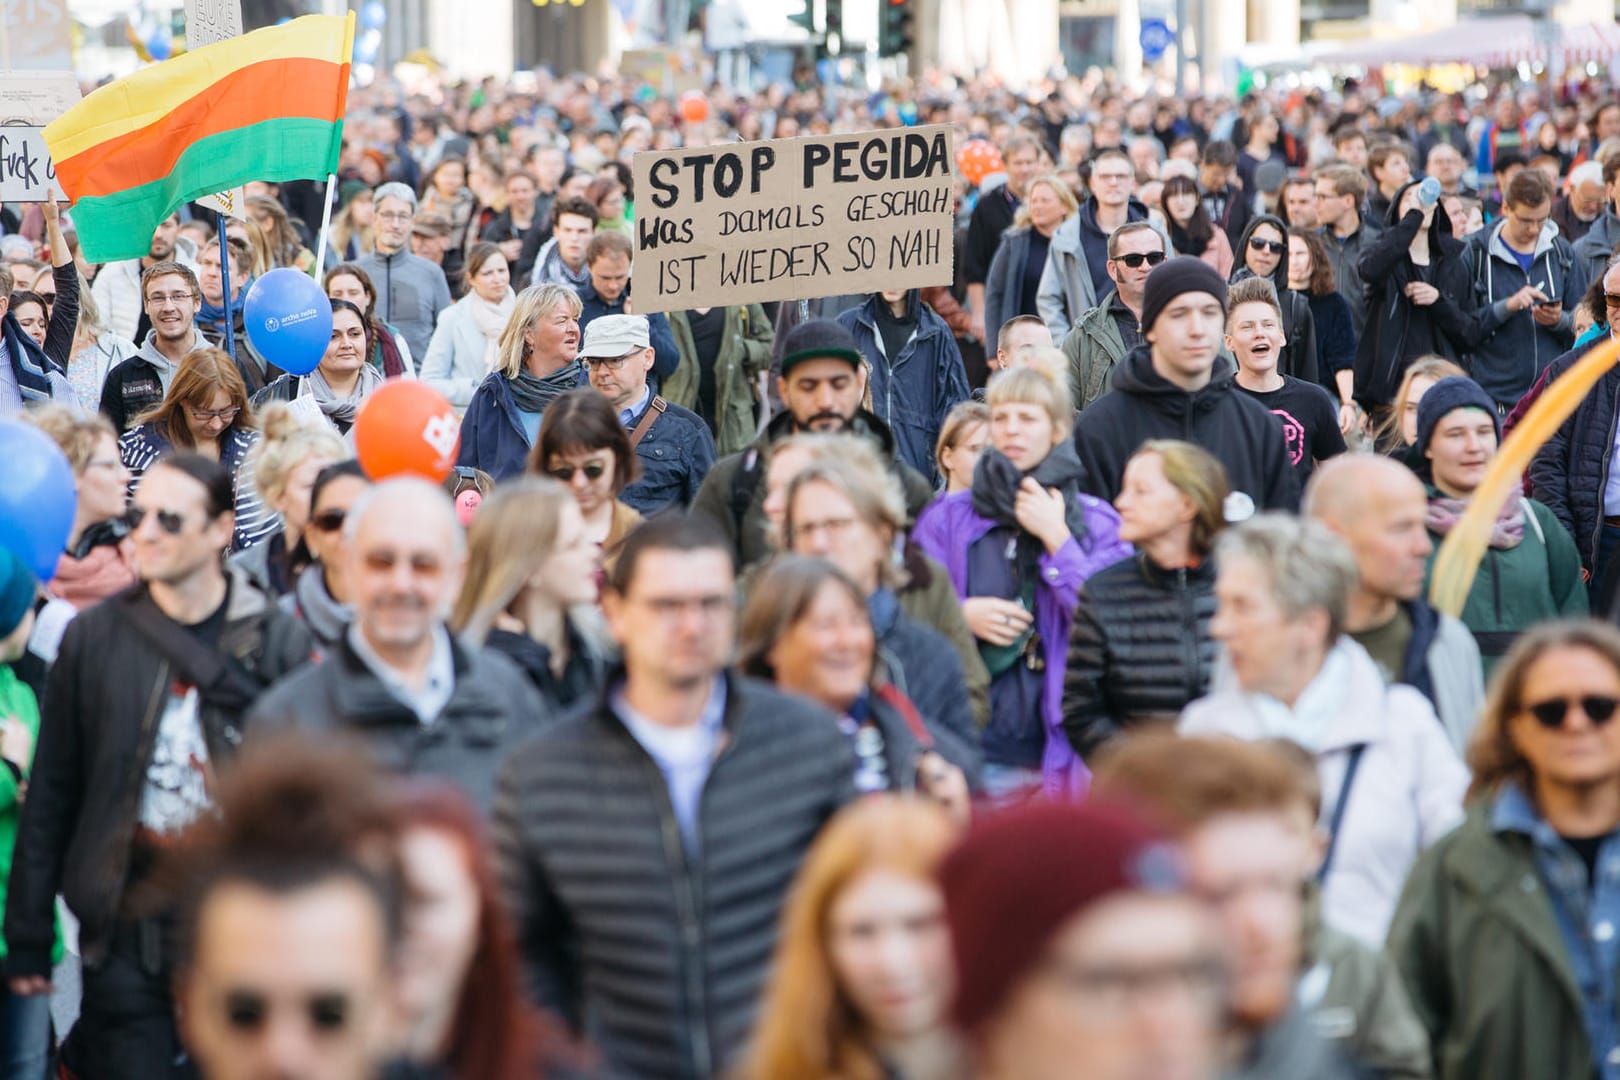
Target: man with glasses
(1527,282)
(1103,335)
(144,703)
(706,787)
(1576,473)
(173,297)
(1076,271)
(1340,191)
(672,444)
(398,680)
(411,290)
(117,289)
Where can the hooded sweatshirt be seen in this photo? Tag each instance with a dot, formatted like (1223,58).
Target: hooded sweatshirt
(1298,357)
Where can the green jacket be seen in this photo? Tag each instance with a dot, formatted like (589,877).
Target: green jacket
(1537,579)
(16,702)
(745,351)
(1475,938)
(1093,347)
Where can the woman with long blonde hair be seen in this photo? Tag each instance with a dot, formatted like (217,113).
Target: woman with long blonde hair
(531,586)
(862,975)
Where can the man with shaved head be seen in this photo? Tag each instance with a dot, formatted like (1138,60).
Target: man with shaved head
(424,702)
(1379,507)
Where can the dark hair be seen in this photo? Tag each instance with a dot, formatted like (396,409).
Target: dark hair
(670,531)
(335,471)
(1507,159)
(27,296)
(1323,280)
(494,1034)
(1611,169)
(368,324)
(578,207)
(220,494)
(622,171)
(1594,301)
(1193,238)
(1379,155)
(358,272)
(1528,188)
(1219,152)
(583,420)
(608,243)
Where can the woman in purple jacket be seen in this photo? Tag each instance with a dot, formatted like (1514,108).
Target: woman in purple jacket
(1018,545)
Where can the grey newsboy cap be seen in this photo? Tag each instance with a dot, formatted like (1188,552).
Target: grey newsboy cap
(609,336)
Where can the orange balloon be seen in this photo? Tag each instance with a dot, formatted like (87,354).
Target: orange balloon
(407,427)
(978,159)
(694,107)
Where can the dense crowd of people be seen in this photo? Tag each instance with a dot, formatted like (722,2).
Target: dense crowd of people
(1035,676)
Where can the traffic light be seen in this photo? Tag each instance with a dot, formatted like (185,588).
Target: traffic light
(894,28)
(833,42)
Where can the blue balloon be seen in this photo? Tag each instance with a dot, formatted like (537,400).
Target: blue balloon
(38,499)
(289,320)
(160,44)
(373,14)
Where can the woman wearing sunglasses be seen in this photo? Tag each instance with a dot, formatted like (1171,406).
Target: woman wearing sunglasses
(1487,934)
(206,411)
(582,444)
(1191,231)
(1391,782)
(284,463)
(1531,571)
(1263,252)
(321,595)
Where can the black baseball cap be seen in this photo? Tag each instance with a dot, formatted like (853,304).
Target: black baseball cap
(819,339)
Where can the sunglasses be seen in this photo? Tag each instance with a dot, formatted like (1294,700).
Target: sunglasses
(1550,714)
(593,471)
(1135,259)
(247,1011)
(1611,300)
(1276,247)
(168,520)
(329,520)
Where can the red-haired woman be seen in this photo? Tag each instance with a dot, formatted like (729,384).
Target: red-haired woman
(465,1011)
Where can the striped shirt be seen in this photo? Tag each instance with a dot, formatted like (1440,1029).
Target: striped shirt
(142,445)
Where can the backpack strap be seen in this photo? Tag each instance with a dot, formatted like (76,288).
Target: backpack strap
(648,418)
(908,711)
(1336,819)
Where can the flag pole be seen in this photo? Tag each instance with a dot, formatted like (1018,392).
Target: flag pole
(225,281)
(326,225)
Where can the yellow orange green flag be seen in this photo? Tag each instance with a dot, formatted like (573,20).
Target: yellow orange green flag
(263,106)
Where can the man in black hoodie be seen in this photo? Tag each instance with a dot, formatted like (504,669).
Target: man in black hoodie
(1168,389)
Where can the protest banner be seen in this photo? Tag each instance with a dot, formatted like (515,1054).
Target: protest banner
(208,21)
(28,101)
(793,218)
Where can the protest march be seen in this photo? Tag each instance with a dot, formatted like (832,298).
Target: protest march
(909,577)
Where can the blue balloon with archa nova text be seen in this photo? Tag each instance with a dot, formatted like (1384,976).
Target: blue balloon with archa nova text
(289,320)
(38,499)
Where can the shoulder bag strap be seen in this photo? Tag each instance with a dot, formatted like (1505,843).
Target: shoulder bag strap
(1336,819)
(648,418)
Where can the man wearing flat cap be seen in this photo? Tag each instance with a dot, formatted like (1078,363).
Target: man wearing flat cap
(673,444)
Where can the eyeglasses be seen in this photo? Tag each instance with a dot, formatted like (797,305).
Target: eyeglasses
(400,216)
(612,363)
(1551,713)
(1611,300)
(159,299)
(1135,259)
(104,463)
(247,1010)
(593,471)
(329,521)
(1276,247)
(833,527)
(202,416)
(1115,178)
(169,521)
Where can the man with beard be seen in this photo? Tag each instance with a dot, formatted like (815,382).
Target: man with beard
(117,289)
(822,384)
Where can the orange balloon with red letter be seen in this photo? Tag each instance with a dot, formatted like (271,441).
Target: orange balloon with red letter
(406,427)
(694,107)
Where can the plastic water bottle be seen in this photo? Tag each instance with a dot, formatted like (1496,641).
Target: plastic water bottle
(1428,192)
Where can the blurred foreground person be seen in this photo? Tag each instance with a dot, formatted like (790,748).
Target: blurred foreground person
(1097,965)
(863,974)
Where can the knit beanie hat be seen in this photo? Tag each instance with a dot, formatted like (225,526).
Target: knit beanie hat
(1451,393)
(819,339)
(1171,278)
(16,592)
(1023,874)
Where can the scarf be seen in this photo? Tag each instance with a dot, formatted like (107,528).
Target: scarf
(491,319)
(1506,533)
(532,394)
(342,410)
(995,488)
(213,316)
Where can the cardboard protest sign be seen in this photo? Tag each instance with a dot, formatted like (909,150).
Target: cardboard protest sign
(793,218)
(208,21)
(28,101)
(37,33)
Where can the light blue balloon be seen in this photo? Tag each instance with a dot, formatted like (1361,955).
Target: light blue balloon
(289,320)
(373,14)
(38,499)
(160,44)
